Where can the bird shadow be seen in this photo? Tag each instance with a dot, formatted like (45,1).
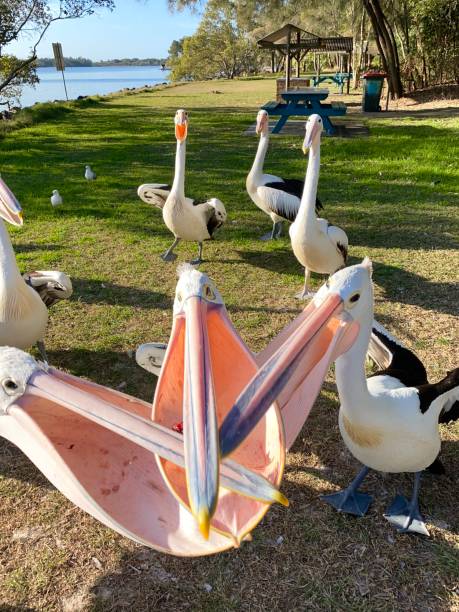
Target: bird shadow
(28,248)
(93,291)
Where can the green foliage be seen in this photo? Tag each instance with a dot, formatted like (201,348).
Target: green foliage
(9,95)
(221,47)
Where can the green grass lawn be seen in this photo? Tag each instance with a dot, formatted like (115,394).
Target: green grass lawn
(396,195)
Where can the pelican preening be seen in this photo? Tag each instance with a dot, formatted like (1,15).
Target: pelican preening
(186,218)
(318,246)
(24,299)
(277,197)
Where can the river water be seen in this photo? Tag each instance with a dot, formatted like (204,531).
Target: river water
(90,81)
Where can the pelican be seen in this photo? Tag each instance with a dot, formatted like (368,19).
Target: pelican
(313,340)
(186,219)
(389,421)
(318,246)
(98,447)
(24,299)
(204,367)
(278,197)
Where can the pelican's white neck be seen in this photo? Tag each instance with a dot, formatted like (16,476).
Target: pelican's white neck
(258,162)
(178,186)
(9,271)
(307,214)
(350,367)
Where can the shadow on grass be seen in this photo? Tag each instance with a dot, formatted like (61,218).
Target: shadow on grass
(28,248)
(104,292)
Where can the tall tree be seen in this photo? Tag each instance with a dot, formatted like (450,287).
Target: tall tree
(32,18)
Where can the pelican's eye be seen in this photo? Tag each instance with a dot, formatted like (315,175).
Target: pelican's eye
(9,386)
(354,299)
(179,296)
(209,293)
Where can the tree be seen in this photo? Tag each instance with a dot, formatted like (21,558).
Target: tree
(220,48)
(33,18)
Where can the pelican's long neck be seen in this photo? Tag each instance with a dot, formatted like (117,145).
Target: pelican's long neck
(350,368)
(258,162)
(178,186)
(307,214)
(9,271)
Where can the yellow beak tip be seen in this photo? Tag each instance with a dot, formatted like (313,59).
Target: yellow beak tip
(204,522)
(281,499)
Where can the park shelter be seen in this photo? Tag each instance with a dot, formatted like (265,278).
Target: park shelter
(290,41)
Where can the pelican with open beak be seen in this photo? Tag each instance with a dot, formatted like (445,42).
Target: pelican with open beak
(97,446)
(292,368)
(11,210)
(205,366)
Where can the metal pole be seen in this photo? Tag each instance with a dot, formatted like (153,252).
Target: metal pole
(65,86)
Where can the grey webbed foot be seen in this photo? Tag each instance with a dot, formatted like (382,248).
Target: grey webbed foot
(168,256)
(304,295)
(350,500)
(405,515)
(266,237)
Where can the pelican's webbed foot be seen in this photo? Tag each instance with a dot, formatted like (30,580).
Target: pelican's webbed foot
(405,515)
(169,255)
(350,500)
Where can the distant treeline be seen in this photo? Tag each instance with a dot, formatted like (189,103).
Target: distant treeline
(45,62)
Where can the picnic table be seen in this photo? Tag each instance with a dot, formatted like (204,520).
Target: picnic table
(304,102)
(339,78)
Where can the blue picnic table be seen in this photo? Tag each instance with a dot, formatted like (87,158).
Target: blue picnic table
(339,78)
(304,102)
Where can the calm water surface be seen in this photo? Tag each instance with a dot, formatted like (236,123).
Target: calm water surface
(90,81)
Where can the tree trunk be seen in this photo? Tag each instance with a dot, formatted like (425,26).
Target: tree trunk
(386,45)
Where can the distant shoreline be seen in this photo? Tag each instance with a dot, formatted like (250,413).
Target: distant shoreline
(82,62)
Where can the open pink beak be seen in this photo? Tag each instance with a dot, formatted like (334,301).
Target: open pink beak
(10,209)
(292,372)
(98,447)
(200,417)
(205,366)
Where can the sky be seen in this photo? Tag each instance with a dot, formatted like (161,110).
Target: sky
(135,28)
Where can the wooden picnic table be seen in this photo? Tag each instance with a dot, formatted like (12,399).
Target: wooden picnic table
(304,102)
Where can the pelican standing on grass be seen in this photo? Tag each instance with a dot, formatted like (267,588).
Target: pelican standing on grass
(24,299)
(277,197)
(389,421)
(185,219)
(318,246)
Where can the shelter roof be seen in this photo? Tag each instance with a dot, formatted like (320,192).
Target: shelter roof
(304,40)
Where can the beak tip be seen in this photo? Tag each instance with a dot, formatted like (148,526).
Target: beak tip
(281,499)
(204,522)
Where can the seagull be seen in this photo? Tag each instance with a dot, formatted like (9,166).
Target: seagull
(89,173)
(56,198)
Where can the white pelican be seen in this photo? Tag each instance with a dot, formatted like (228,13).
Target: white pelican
(56,198)
(24,299)
(388,421)
(318,246)
(278,197)
(98,447)
(188,219)
(89,173)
